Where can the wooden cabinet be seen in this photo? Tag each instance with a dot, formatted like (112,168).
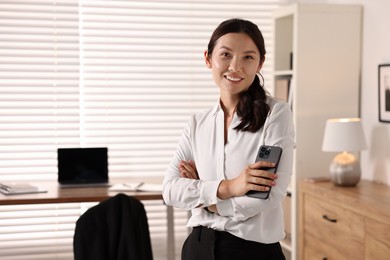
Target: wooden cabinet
(317,48)
(377,239)
(338,223)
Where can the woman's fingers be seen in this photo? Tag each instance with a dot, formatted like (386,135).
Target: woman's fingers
(188,170)
(262,165)
(187,166)
(259,187)
(192,164)
(260,179)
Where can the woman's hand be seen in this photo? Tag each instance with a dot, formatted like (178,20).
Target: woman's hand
(250,178)
(188,170)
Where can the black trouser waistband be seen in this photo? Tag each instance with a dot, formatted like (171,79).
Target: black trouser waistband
(209,244)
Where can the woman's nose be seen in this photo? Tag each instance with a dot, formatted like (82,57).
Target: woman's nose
(235,65)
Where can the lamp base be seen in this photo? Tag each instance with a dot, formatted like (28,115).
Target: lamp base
(345,170)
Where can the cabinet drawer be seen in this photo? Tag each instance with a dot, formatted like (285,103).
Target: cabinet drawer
(338,228)
(318,250)
(377,240)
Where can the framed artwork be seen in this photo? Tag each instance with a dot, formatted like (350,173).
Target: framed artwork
(384,92)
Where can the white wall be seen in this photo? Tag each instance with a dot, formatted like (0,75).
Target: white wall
(375,50)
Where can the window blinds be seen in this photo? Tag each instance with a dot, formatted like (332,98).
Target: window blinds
(39,79)
(121,74)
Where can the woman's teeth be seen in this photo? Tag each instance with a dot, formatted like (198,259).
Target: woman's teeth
(233,79)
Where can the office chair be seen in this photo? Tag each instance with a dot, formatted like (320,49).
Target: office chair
(115,229)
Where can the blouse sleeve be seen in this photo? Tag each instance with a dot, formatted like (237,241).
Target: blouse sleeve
(183,192)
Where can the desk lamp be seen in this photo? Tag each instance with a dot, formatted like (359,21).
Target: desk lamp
(344,135)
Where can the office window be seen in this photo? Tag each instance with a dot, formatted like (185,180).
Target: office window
(122,74)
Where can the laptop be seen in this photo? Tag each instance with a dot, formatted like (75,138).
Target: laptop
(79,167)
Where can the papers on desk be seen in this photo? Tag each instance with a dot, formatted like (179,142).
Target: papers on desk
(136,186)
(19,188)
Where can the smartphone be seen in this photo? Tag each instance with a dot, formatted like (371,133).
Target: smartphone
(269,154)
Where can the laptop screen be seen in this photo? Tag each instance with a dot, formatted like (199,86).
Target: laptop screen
(82,165)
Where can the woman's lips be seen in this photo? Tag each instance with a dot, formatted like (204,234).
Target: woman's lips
(233,78)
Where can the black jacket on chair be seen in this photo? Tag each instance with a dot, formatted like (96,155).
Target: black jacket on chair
(115,229)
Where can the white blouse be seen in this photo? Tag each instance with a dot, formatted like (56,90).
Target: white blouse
(203,142)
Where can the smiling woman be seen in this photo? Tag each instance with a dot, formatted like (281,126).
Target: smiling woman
(211,175)
(121,74)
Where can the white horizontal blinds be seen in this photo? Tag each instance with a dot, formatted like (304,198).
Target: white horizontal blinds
(38,86)
(37,231)
(143,74)
(39,74)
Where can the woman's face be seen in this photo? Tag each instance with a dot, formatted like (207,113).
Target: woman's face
(234,62)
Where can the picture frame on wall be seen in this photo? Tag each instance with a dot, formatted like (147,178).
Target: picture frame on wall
(384,92)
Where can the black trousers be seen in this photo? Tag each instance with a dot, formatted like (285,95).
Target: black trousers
(208,244)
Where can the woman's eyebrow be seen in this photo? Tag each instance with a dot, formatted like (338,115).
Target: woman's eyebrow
(246,52)
(250,51)
(225,47)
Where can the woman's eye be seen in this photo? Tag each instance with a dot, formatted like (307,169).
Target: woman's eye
(249,58)
(225,54)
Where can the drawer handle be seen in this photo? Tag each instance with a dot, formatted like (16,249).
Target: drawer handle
(333,220)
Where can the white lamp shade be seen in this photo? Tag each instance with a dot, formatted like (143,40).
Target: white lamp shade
(344,134)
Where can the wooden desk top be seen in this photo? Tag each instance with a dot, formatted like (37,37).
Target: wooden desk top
(56,194)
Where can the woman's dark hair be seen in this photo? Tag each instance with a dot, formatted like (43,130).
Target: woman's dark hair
(252,106)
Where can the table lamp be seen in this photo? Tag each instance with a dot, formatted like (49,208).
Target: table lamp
(344,135)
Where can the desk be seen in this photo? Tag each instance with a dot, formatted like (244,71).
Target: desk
(55,194)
